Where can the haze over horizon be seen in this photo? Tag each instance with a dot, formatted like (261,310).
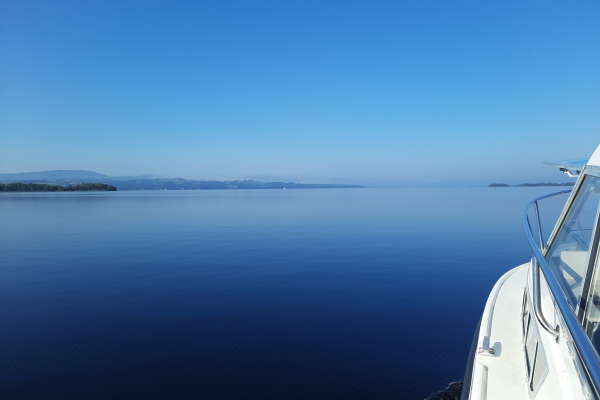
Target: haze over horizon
(336,92)
(79,175)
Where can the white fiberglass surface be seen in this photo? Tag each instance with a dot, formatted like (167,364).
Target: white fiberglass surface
(570,251)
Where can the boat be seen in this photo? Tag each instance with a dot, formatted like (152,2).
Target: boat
(539,333)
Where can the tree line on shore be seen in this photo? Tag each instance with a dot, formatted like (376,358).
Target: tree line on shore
(43,187)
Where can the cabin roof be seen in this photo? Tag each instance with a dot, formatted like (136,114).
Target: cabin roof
(574,167)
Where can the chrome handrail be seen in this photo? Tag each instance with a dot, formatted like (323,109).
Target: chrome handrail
(537,307)
(585,350)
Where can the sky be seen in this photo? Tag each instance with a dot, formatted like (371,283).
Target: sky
(372,92)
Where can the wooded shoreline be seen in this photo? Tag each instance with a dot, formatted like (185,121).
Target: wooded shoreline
(43,187)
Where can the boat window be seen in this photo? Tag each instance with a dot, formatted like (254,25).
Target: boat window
(591,314)
(570,251)
(591,320)
(535,357)
(540,369)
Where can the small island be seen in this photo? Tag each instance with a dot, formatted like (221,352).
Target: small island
(43,187)
(532,184)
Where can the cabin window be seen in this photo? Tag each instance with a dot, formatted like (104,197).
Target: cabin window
(569,253)
(535,358)
(591,320)
(591,312)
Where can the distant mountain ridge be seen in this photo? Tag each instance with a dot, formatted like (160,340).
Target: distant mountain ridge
(537,184)
(53,175)
(149,182)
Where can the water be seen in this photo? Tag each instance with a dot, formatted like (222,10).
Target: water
(266,294)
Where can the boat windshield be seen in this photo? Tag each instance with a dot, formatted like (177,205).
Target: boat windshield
(569,254)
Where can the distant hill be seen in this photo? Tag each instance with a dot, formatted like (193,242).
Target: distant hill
(148,182)
(55,175)
(532,184)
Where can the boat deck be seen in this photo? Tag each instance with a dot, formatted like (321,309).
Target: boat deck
(499,368)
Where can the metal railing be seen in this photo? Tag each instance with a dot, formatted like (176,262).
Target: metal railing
(585,350)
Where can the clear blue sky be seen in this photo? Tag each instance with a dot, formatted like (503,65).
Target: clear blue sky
(321,91)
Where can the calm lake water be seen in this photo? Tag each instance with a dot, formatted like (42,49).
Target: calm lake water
(255,294)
